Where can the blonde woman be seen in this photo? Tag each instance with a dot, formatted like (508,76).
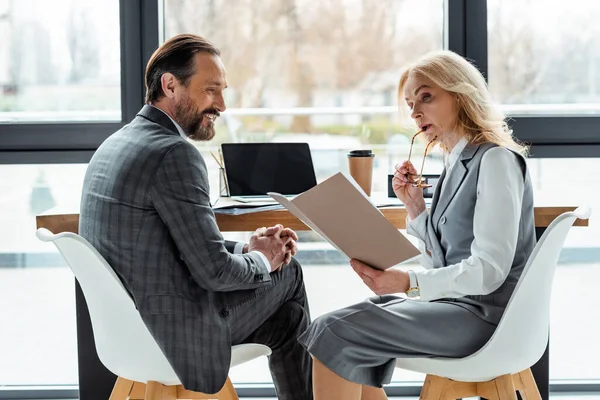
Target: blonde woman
(475,242)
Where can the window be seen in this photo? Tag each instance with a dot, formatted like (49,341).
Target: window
(38,339)
(544,56)
(320,72)
(59,61)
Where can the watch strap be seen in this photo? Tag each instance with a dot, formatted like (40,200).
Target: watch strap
(413,290)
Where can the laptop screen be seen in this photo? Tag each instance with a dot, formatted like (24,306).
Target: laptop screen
(253,169)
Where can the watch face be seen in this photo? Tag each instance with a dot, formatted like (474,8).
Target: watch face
(412,293)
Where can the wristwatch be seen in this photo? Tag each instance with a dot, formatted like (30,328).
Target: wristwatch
(413,290)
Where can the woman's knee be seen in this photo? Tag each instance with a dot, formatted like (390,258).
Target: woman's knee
(323,324)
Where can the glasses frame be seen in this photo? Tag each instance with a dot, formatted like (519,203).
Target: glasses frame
(419,182)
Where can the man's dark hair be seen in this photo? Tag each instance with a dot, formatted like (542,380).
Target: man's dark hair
(177,56)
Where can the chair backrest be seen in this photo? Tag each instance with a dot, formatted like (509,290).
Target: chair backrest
(522,334)
(124,344)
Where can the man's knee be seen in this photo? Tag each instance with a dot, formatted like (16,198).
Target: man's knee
(292,273)
(292,320)
(293,312)
(295,266)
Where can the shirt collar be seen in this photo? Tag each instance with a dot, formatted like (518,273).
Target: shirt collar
(179,129)
(455,153)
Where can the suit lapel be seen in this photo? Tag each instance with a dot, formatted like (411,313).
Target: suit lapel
(436,193)
(437,249)
(452,183)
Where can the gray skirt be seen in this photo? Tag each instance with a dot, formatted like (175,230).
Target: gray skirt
(361,343)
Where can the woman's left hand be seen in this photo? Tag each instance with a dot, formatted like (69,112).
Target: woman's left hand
(389,281)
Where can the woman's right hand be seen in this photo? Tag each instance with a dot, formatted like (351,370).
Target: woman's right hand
(411,196)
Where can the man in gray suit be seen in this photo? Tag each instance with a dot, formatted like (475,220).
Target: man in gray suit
(146,208)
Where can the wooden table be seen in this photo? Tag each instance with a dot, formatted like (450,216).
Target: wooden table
(96,382)
(67,220)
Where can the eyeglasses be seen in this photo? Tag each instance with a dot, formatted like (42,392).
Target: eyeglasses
(419,182)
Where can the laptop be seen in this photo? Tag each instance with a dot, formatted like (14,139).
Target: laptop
(253,169)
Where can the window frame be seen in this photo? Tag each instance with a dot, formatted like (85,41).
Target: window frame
(549,136)
(465,27)
(66,142)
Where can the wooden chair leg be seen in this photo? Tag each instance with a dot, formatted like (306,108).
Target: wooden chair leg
(121,389)
(169,393)
(505,388)
(438,388)
(525,384)
(158,391)
(501,388)
(138,392)
(153,391)
(129,390)
(227,392)
(433,387)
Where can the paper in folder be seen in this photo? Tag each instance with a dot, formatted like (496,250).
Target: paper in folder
(340,211)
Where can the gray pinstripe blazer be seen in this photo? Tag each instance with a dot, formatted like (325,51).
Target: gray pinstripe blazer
(145,207)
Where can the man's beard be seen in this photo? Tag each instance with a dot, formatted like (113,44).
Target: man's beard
(190,120)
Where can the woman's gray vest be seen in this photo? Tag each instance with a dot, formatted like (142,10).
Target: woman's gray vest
(450,228)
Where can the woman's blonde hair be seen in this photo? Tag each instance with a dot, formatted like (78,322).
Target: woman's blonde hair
(479,118)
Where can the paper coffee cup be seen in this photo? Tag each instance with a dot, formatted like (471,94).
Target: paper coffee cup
(360,163)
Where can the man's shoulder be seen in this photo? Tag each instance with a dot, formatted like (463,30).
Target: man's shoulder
(141,136)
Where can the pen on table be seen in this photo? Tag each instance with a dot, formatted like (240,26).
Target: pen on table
(219,163)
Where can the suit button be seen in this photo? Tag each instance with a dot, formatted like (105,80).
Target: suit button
(181,257)
(443,220)
(224,313)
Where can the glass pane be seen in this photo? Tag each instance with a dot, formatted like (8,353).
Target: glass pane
(573,332)
(38,340)
(294,53)
(526,72)
(59,60)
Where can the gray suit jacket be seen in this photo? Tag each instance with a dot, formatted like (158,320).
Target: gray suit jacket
(146,209)
(450,229)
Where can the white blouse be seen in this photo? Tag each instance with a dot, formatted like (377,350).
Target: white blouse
(495,228)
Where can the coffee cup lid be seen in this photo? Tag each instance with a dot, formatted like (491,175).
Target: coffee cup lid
(360,153)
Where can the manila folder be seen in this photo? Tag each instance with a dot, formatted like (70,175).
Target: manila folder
(340,211)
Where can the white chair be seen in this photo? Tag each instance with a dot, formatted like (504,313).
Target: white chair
(124,344)
(503,364)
